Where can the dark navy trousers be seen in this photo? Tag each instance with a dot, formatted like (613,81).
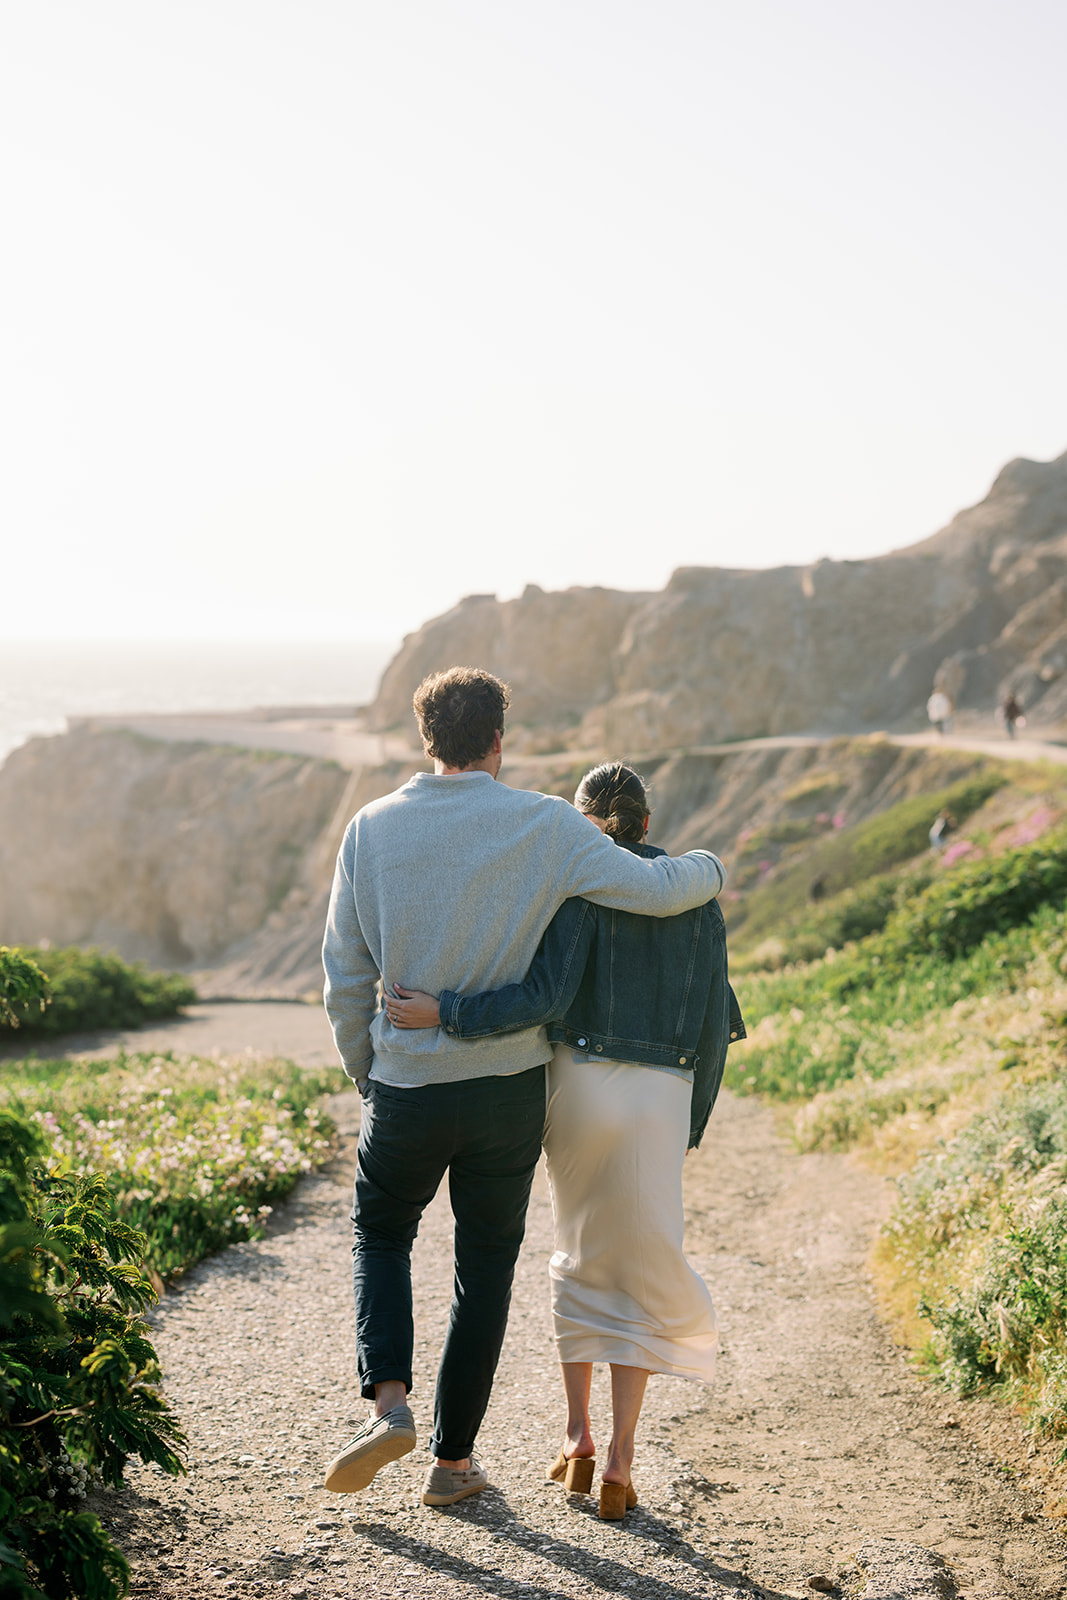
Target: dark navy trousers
(486,1134)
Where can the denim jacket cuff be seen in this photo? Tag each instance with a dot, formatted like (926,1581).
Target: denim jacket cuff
(448,1010)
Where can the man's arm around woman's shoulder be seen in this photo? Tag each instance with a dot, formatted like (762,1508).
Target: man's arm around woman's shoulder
(597,869)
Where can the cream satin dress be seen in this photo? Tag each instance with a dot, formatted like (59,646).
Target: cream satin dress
(622,1289)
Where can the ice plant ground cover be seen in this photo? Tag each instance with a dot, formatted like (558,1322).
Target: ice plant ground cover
(195,1150)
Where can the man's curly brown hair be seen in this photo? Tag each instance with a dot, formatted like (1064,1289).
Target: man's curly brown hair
(459,711)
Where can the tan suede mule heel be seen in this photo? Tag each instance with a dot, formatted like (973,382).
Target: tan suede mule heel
(616,1500)
(576,1475)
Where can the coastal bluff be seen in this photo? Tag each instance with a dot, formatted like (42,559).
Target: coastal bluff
(181,853)
(218,859)
(207,842)
(836,647)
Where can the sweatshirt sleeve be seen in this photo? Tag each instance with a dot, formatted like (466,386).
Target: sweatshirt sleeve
(351,988)
(662,887)
(545,993)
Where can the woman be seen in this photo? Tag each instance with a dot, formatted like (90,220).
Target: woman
(640,1012)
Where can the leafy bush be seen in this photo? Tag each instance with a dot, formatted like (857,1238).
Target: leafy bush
(77,1374)
(844,919)
(195,1150)
(1007,1327)
(23,987)
(848,1114)
(957,1189)
(87,989)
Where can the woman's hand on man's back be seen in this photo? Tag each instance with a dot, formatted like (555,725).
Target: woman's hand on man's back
(411,1008)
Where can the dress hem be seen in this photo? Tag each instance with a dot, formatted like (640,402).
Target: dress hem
(630,1355)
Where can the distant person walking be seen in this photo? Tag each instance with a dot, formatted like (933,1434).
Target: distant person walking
(1012,715)
(940,829)
(939,709)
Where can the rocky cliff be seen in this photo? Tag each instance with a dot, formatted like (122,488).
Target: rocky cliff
(180,854)
(723,654)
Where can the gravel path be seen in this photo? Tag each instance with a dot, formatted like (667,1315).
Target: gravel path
(257,1348)
(215,1027)
(818,1453)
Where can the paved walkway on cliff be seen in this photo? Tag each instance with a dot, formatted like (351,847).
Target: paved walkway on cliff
(343,739)
(818,1453)
(331,736)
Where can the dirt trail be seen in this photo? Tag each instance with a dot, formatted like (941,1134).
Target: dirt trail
(817,1444)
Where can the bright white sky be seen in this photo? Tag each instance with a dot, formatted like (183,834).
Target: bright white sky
(318,314)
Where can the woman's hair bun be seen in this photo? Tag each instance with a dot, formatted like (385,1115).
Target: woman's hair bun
(617,796)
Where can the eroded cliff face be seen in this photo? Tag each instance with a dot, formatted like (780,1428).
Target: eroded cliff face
(555,650)
(836,647)
(171,853)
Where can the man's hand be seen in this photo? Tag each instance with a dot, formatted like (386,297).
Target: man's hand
(411,1008)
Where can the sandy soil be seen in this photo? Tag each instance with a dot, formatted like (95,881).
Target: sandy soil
(818,1453)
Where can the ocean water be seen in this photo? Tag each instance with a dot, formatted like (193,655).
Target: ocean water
(43,682)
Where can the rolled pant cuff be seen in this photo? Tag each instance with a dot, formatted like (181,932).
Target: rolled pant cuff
(383,1375)
(448,1450)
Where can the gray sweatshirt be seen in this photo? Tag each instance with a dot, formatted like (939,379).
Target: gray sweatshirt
(449,883)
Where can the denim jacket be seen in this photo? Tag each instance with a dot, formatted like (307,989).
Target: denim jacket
(653,990)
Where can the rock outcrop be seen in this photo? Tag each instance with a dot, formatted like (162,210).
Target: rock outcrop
(841,646)
(210,858)
(171,853)
(555,650)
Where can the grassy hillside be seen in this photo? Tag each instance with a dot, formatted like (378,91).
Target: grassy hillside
(918,1011)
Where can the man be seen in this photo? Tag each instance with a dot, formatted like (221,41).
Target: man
(449,883)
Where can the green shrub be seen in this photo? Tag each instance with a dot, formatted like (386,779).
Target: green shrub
(956,1188)
(1006,1327)
(88,989)
(844,1117)
(981,898)
(78,1375)
(23,987)
(856,913)
(843,919)
(834,1020)
(904,830)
